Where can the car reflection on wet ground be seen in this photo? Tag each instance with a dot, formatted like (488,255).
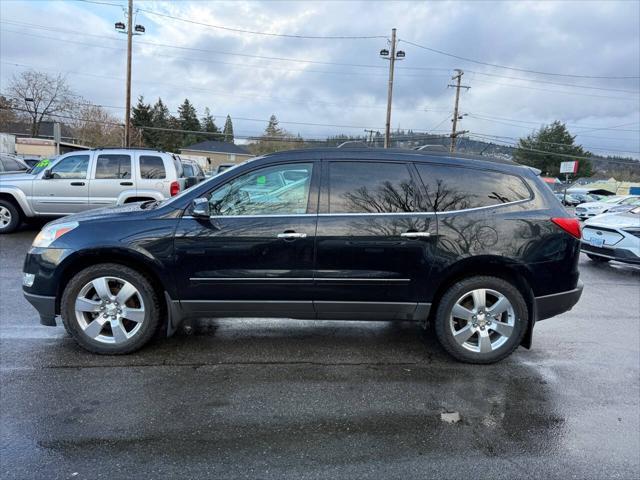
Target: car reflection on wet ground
(303,399)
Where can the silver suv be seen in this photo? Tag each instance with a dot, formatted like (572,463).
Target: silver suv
(80,181)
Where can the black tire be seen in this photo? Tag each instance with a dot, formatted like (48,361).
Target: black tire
(151,315)
(15,217)
(598,259)
(455,292)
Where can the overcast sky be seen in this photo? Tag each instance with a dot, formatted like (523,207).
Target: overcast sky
(343,82)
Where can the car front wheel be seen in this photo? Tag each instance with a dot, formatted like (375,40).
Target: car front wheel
(110,309)
(481,319)
(9,217)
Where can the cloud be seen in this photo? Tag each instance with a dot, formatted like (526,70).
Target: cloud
(210,66)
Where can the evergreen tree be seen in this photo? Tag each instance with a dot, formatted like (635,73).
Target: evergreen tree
(143,117)
(541,149)
(207,124)
(273,130)
(188,119)
(228,130)
(159,119)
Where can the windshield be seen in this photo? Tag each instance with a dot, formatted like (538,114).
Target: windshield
(41,165)
(613,199)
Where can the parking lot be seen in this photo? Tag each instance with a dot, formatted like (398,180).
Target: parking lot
(304,399)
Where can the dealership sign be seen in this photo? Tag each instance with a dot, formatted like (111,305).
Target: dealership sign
(569,167)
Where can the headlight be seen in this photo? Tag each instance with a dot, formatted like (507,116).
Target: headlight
(52,232)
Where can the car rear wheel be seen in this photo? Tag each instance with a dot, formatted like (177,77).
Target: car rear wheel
(598,259)
(9,217)
(481,319)
(110,309)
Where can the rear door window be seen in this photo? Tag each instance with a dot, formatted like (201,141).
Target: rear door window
(372,187)
(152,167)
(113,166)
(459,188)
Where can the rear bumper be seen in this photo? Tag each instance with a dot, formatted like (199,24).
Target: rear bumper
(46,307)
(618,254)
(549,306)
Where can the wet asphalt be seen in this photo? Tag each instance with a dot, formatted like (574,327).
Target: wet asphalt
(303,399)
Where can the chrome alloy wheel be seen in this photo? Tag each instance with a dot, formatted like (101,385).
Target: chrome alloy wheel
(109,310)
(5,217)
(482,320)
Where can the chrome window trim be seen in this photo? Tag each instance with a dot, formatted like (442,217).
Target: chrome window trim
(372,214)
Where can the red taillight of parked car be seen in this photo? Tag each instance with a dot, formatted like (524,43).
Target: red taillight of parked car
(174,189)
(569,225)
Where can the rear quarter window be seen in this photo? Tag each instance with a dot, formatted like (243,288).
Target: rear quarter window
(152,167)
(460,188)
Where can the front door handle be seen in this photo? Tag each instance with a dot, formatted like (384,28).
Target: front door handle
(77,184)
(126,184)
(291,235)
(416,234)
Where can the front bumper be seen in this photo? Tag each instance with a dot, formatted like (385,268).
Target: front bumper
(46,307)
(618,254)
(549,306)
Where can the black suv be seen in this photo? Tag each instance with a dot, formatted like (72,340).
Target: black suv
(479,249)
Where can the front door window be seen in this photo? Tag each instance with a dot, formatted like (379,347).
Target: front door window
(277,190)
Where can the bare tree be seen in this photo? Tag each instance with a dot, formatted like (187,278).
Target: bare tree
(7,113)
(41,95)
(94,126)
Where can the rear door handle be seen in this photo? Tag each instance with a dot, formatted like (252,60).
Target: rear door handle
(126,184)
(416,234)
(77,184)
(291,235)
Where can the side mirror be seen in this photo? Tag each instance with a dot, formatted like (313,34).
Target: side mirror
(200,208)
(47,174)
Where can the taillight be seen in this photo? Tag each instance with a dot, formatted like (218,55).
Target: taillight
(569,225)
(174,189)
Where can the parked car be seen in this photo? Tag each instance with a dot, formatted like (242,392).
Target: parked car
(591,209)
(569,200)
(479,248)
(625,207)
(11,164)
(585,197)
(193,174)
(613,236)
(79,181)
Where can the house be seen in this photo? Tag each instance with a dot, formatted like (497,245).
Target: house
(212,153)
(609,186)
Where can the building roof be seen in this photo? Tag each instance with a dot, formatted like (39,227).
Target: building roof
(215,146)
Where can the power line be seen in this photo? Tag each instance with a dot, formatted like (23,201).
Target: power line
(564,92)
(434,50)
(573,85)
(512,144)
(268,34)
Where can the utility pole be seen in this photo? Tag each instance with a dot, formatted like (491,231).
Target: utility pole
(370,132)
(127,108)
(139,30)
(399,55)
(456,116)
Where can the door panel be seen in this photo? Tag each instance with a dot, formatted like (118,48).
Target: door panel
(256,252)
(112,175)
(374,242)
(67,191)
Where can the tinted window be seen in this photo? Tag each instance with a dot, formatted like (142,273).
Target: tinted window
(152,167)
(188,170)
(266,191)
(71,167)
(113,166)
(372,187)
(11,165)
(454,188)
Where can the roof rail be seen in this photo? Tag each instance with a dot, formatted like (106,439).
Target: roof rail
(432,147)
(128,148)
